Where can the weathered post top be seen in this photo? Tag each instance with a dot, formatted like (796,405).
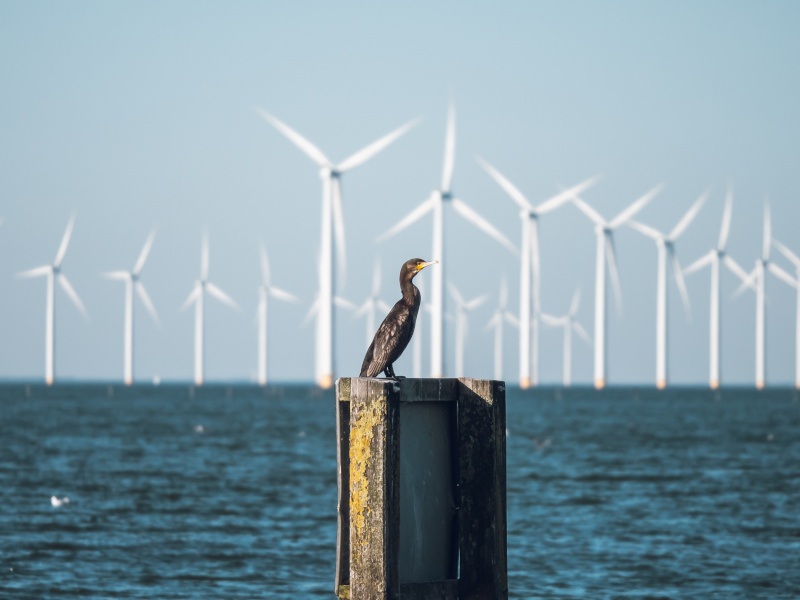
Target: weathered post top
(422,489)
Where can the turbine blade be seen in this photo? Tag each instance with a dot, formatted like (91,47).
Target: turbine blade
(73,295)
(634,208)
(578,328)
(117,275)
(374,148)
(650,232)
(221,296)
(137,269)
(475,303)
(611,258)
(264,260)
(767,242)
(503,297)
(568,194)
(62,249)
(699,263)
(726,221)
(343,303)
(737,270)
(576,301)
(414,215)
(494,321)
(376,278)
(455,294)
(508,187)
(790,256)
(193,295)
(688,217)
(313,309)
(449,149)
(678,273)
(782,275)
(511,319)
(36,272)
(282,294)
(204,258)
(473,217)
(749,281)
(298,140)
(550,320)
(363,309)
(383,306)
(148,303)
(589,211)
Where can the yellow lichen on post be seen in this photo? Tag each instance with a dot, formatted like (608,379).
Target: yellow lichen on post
(361,436)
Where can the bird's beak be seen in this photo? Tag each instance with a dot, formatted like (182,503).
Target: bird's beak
(421,266)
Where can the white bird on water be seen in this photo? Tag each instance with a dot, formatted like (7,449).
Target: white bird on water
(56,502)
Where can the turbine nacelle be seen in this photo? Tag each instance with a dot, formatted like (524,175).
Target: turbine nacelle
(326,173)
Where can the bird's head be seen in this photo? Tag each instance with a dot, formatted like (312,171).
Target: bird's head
(415,265)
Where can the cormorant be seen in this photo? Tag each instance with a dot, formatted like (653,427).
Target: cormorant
(397,328)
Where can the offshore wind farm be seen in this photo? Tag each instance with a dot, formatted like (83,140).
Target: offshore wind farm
(197,156)
(208,210)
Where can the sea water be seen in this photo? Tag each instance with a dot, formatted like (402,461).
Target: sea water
(230,492)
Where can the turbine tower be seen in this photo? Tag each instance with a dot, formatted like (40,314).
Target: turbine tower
(757,279)
(499,318)
(795,260)
(713,259)
(569,325)
(529,275)
(462,324)
(332,232)
(266,291)
(132,282)
(436,204)
(197,297)
(53,274)
(665,243)
(604,232)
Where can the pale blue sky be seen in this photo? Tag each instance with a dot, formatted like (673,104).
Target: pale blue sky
(141,114)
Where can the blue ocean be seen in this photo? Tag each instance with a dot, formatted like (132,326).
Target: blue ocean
(230,492)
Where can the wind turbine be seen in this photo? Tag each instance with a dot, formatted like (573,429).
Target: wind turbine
(436,203)
(665,243)
(569,325)
(53,274)
(372,304)
(757,279)
(498,319)
(197,297)
(462,324)
(132,282)
(795,260)
(265,291)
(604,232)
(332,232)
(529,275)
(714,258)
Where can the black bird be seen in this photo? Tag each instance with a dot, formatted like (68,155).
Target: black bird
(397,328)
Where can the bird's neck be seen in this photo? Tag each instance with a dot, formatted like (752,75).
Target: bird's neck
(410,292)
